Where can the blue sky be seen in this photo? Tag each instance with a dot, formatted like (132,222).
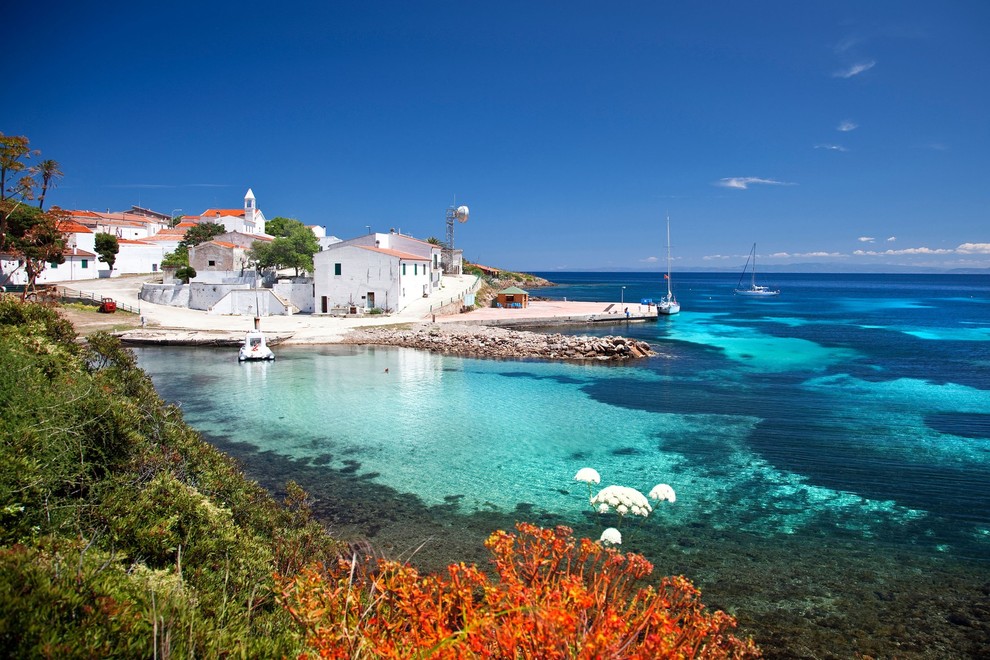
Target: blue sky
(849,133)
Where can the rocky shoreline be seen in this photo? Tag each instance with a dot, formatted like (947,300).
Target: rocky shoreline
(494,342)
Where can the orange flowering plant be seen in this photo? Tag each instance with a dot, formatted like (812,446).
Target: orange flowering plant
(555,597)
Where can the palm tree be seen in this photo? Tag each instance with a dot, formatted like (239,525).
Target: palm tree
(50,173)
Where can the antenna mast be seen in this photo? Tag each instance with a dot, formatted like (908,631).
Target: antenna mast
(460,214)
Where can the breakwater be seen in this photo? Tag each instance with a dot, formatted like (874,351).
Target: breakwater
(494,342)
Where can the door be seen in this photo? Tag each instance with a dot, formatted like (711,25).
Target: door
(323,304)
(371,300)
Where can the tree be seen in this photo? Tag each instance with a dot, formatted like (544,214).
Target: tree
(201,233)
(185,274)
(14,150)
(293,248)
(107,247)
(178,258)
(34,238)
(50,173)
(279,226)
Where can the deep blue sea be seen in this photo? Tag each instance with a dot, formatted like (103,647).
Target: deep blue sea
(830,448)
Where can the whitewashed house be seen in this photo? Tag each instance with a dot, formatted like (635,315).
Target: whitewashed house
(351,277)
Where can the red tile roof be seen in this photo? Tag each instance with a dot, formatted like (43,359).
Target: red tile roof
(405,256)
(213,213)
(76,252)
(73,227)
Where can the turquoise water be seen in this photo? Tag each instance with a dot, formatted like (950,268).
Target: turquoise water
(850,415)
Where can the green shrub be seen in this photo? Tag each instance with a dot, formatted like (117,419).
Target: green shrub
(123,533)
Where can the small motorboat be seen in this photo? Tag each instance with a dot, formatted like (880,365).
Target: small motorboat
(254,347)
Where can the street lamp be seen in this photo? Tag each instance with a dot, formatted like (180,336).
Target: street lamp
(622,296)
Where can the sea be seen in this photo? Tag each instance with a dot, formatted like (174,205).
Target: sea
(829,448)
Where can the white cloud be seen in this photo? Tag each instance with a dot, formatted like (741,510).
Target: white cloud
(891,239)
(906,251)
(743,182)
(855,69)
(974,248)
(804,255)
(866,239)
(649,260)
(831,147)
(846,126)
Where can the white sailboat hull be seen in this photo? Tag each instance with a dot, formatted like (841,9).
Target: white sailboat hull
(668,308)
(759,291)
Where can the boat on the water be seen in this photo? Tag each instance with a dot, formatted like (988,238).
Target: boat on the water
(668,305)
(254,346)
(754,290)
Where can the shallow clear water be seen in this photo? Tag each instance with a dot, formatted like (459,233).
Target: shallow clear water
(852,411)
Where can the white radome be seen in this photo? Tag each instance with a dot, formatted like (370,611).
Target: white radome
(462,213)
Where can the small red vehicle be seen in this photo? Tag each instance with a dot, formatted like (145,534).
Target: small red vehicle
(108,306)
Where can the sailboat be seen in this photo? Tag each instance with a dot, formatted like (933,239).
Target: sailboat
(754,289)
(668,304)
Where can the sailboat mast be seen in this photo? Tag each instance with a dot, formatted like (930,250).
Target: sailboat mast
(754,265)
(669,292)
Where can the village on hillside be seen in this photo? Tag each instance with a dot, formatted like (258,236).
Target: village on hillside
(373,273)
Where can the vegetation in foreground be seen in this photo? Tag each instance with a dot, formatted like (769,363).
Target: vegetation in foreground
(123,534)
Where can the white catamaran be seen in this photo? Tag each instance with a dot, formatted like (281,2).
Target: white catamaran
(668,304)
(754,289)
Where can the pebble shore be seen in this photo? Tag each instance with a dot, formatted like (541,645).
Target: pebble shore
(494,342)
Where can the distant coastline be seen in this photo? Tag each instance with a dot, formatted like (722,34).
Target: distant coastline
(797,269)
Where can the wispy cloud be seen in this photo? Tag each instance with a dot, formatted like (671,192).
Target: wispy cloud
(831,147)
(891,239)
(649,260)
(855,69)
(805,255)
(866,239)
(846,126)
(907,251)
(744,182)
(138,185)
(168,185)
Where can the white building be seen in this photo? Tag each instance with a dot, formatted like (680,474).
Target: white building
(249,220)
(350,277)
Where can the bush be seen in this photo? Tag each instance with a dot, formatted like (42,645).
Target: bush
(555,598)
(122,533)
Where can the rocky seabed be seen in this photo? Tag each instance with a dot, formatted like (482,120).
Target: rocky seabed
(492,342)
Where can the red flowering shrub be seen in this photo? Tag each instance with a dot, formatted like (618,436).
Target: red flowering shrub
(555,598)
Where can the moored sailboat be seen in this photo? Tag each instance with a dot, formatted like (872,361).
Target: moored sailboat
(754,289)
(668,304)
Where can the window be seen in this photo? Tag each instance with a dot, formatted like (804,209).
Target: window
(336,269)
(403,269)
(52,264)
(85,263)
(415,269)
(211,262)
